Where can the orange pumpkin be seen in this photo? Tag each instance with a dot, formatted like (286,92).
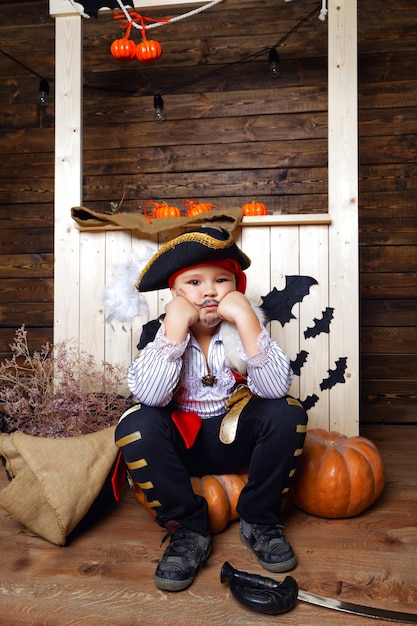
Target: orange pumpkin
(148,51)
(162,209)
(123,49)
(195,208)
(221,492)
(337,476)
(254,208)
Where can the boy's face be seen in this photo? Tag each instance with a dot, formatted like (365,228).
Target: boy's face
(204,287)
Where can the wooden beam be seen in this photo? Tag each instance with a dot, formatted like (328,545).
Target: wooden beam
(343,209)
(68,173)
(61,8)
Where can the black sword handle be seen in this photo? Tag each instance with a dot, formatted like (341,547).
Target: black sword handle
(260,593)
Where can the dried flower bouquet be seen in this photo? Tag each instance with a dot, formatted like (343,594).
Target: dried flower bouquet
(60,391)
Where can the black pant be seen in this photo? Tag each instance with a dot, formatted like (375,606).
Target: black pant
(269,439)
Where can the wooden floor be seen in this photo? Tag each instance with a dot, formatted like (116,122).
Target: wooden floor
(105,575)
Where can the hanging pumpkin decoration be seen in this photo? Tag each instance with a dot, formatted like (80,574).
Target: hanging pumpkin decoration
(124,49)
(195,208)
(254,208)
(161,209)
(221,492)
(148,51)
(337,476)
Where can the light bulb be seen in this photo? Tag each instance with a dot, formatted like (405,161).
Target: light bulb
(43,99)
(158,104)
(274,69)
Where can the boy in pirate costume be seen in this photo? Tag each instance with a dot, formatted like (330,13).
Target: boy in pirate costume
(195,416)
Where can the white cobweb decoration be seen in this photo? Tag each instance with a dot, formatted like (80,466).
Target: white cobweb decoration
(121,300)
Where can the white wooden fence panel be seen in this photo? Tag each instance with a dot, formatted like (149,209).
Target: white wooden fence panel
(92,277)
(276,252)
(314,263)
(118,334)
(285,262)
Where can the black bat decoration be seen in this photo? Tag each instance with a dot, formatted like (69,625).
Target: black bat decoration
(320,325)
(336,376)
(92,7)
(309,402)
(277,305)
(300,359)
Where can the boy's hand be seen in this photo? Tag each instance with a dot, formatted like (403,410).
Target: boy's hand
(235,308)
(180,315)
(182,311)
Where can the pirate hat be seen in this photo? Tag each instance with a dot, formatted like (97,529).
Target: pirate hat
(202,245)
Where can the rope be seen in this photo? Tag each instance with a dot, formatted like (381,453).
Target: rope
(323,11)
(75,7)
(172,19)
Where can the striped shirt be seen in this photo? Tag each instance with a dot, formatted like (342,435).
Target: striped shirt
(165,372)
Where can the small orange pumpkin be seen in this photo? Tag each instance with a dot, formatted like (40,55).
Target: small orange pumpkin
(195,208)
(148,51)
(337,476)
(162,209)
(123,49)
(254,208)
(221,492)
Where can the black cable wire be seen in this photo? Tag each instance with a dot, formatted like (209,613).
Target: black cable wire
(244,59)
(28,69)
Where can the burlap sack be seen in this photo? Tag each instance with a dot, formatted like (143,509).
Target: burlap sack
(136,222)
(55,481)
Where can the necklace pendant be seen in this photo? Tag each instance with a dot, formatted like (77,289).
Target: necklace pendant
(209,380)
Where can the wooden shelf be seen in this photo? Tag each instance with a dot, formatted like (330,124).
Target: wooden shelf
(287,220)
(267,220)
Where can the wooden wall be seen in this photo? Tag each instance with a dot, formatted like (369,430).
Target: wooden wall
(387,209)
(230,132)
(234,134)
(26,173)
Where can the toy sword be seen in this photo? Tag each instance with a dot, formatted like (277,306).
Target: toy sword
(266,595)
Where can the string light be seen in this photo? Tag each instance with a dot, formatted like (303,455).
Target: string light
(274,68)
(158,104)
(43,98)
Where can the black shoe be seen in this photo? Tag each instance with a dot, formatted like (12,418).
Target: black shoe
(271,548)
(182,559)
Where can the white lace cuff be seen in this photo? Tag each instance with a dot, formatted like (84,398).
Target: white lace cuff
(263,342)
(168,349)
(259,359)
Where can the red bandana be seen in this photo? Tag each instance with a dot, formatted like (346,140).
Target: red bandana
(230,265)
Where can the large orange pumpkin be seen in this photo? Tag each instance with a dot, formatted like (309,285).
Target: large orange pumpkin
(221,492)
(337,476)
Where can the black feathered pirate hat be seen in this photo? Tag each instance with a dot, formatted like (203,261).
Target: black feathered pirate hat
(202,245)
